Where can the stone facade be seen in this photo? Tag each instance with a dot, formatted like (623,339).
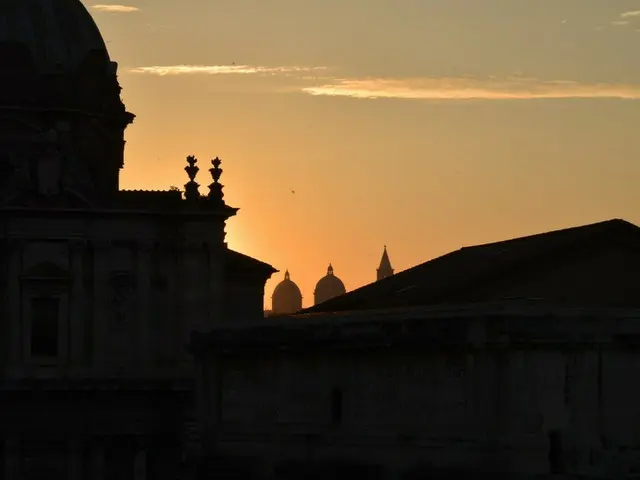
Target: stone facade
(98,307)
(100,288)
(510,388)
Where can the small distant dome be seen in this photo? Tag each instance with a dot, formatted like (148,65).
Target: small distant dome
(286,297)
(328,287)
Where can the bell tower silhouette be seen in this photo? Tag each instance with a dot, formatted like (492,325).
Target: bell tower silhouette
(384,270)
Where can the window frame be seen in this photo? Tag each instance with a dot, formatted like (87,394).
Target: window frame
(33,288)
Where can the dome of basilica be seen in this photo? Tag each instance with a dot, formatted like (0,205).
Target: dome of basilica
(328,287)
(287,297)
(49,36)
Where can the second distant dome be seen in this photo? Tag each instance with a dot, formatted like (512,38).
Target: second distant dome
(328,287)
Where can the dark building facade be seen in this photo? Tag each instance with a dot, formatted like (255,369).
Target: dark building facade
(100,287)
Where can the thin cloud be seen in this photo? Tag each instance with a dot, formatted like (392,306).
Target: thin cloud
(115,8)
(472,89)
(620,23)
(221,70)
(632,13)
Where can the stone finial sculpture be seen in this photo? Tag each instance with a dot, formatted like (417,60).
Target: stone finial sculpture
(191,191)
(215,189)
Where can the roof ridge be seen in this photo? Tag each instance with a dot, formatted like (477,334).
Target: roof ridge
(528,247)
(612,221)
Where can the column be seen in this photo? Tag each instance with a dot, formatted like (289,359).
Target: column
(101,306)
(16,340)
(12,459)
(144,299)
(140,464)
(215,275)
(75,459)
(191,294)
(97,466)
(78,317)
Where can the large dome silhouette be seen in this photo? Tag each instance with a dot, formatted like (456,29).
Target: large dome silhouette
(50,36)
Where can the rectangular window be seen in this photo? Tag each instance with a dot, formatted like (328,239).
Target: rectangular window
(45,319)
(336,406)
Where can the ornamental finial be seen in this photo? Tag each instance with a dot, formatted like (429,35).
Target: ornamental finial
(215,189)
(191,191)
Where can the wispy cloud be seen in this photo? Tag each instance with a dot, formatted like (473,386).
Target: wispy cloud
(115,8)
(221,70)
(519,88)
(632,13)
(620,23)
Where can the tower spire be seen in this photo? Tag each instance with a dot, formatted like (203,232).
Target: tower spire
(384,270)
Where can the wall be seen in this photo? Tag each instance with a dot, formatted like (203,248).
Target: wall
(480,410)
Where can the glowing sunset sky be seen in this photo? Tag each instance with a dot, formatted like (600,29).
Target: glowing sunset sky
(425,125)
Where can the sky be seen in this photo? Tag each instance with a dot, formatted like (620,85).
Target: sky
(347,125)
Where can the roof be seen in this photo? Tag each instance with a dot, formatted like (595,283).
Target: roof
(57,34)
(236,261)
(438,280)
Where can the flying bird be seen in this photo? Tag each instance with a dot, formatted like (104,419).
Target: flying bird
(293,191)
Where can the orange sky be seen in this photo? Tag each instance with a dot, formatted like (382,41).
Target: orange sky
(425,126)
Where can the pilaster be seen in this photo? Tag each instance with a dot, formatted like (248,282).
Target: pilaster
(15,302)
(144,354)
(101,305)
(12,459)
(215,277)
(75,459)
(97,460)
(194,287)
(140,462)
(78,318)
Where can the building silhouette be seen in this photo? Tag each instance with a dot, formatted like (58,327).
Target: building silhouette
(100,287)
(328,287)
(384,270)
(513,359)
(286,297)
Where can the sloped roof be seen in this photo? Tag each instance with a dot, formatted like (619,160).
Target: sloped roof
(239,263)
(432,282)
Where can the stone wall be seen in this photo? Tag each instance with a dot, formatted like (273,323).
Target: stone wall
(490,409)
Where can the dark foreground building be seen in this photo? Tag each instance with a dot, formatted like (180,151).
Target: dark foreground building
(100,287)
(512,359)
